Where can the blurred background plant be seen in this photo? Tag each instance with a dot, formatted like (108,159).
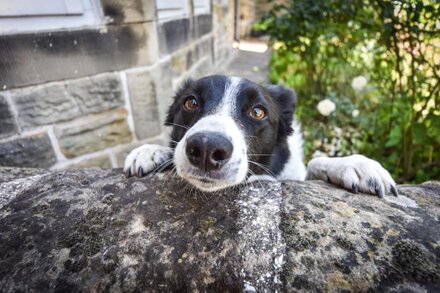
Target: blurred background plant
(367,73)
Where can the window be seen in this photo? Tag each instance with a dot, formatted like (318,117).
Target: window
(18,16)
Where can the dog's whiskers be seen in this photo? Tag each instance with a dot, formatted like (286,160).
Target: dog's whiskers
(265,168)
(180,125)
(258,180)
(163,166)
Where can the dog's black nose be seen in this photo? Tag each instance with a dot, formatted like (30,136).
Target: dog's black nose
(208,151)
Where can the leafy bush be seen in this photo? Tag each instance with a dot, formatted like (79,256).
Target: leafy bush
(378,62)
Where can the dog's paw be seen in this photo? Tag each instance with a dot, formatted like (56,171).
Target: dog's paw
(356,173)
(146,159)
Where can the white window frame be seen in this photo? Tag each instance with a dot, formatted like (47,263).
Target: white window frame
(25,16)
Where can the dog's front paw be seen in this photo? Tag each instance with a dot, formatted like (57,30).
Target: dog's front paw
(355,173)
(146,159)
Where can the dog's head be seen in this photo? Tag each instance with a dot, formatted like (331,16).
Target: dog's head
(226,128)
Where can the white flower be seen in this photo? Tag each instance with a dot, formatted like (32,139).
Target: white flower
(358,83)
(355,113)
(326,107)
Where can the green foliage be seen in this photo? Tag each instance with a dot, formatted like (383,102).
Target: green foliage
(379,59)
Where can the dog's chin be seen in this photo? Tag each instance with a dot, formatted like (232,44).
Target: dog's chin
(207,183)
(207,186)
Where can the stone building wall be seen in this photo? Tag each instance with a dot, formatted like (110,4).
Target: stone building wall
(253,11)
(79,98)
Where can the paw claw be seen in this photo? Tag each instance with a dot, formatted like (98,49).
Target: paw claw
(355,188)
(394,190)
(127,173)
(140,172)
(379,191)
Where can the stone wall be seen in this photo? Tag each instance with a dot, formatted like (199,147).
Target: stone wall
(253,11)
(87,97)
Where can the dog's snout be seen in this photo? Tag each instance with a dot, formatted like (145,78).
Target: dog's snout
(208,151)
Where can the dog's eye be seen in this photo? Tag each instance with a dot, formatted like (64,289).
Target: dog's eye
(257,113)
(191,104)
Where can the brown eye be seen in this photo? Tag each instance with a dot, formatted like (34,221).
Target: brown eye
(257,113)
(191,104)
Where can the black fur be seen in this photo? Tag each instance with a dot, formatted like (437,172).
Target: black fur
(267,139)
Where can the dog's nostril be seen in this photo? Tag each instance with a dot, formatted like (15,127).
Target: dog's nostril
(219,155)
(195,152)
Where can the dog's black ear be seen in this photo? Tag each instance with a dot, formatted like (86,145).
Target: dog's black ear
(286,101)
(186,86)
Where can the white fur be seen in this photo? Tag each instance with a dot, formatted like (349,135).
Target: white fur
(235,170)
(294,168)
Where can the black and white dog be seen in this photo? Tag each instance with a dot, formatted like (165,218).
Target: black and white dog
(227,130)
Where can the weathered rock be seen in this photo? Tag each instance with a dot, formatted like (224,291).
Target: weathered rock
(30,151)
(96,94)
(143,91)
(93,133)
(43,105)
(7,121)
(94,230)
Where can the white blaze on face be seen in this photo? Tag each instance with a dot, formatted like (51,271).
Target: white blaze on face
(222,121)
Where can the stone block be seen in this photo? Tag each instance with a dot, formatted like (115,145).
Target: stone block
(102,161)
(202,25)
(164,88)
(128,11)
(204,47)
(173,35)
(179,61)
(7,122)
(31,151)
(150,51)
(202,68)
(41,57)
(142,91)
(43,105)
(92,133)
(98,93)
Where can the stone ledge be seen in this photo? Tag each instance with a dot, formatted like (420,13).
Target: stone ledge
(94,230)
